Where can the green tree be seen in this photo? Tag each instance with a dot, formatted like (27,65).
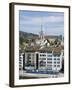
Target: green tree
(21,40)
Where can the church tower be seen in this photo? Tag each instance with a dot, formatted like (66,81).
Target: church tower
(41,34)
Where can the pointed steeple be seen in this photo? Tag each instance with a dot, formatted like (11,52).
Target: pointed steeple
(41,27)
(41,32)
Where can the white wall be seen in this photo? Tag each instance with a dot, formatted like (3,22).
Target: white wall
(4,44)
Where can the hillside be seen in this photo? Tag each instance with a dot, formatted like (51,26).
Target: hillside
(26,35)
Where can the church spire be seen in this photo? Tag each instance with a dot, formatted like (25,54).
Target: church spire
(41,27)
(41,32)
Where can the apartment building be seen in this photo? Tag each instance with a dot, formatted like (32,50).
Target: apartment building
(43,59)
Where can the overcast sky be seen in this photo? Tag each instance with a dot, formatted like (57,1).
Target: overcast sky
(52,22)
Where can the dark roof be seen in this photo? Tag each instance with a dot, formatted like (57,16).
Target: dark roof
(44,49)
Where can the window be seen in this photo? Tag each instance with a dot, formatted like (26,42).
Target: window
(54,65)
(49,62)
(49,58)
(49,65)
(56,55)
(58,62)
(42,58)
(58,58)
(49,55)
(20,63)
(20,60)
(58,65)
(54,62)
(20,57)
(42,55)
(54,58)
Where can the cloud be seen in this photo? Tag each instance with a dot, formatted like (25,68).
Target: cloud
(48,19)
(52,24)
(40,20)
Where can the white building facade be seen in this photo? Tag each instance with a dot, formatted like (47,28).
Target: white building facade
(42,61)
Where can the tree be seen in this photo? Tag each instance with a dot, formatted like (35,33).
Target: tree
(21,40)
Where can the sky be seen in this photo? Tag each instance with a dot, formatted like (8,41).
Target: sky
(31,21)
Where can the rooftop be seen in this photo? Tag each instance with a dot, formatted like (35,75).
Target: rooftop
(44,49)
